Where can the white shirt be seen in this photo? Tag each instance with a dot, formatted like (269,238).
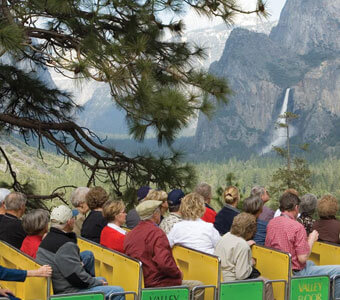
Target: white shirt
(198,235)
(116,227)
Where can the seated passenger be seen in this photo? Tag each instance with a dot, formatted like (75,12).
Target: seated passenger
(3,194)
(78,200)
(328,226)
(225,216)
(204,190)
(59,249)
(253,205)
(113,235)
(94,222)
(235,252)
(193,232)
(267,213)
(35,224)
(11,230)
(149,244)
(286,234)
(159,196)
(307,209)
(132,218)
(174,201)
(21,275)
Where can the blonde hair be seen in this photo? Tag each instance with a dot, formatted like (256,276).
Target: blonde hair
(328,206)
(156,195)
(231,194)
(192,207)
(112,208)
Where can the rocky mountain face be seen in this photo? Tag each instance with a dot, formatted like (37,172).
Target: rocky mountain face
(300,53)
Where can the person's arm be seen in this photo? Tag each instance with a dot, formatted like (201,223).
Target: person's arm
(44,271)
(312,238)
(70,266)
(215,236)
(243,265)
(163,258)
(12,274)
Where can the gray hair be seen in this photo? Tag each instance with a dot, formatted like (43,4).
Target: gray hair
(308,204)
(204,189)
(253,204)
(58,226)
(35,221)
(15,201)
(78,196)
(3,193)
(258,190)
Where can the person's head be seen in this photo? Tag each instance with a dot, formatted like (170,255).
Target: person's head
(114,212)
(192,207)
(78,199)
(36,222)
(160,196)
(244,226)
(150,210)
(289,202)
(308,204)
(3,193)
(174,199)
(142,192)
(231,195)
(253,205)
(96,197)
(261,190)
(327,206)
(16,203)
(204,190)
(62,218)
(292,191)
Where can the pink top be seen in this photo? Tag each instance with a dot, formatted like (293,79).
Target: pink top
(31,244)
(286,234)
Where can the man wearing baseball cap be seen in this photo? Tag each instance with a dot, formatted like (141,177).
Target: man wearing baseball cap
(174,201)
(132,217)
(149,244)
(59,249)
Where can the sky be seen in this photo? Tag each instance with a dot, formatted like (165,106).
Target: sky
(274,7)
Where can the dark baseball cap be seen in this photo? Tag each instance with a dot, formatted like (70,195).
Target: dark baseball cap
(175,197)
(142,192)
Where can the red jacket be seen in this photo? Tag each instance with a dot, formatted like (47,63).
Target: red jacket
(31,244)
(149,244)
(209,215)
(112,239)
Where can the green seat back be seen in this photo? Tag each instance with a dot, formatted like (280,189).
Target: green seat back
(312,287)
(173,293)
(244,290)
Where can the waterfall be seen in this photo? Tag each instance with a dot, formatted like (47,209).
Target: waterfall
(279,134)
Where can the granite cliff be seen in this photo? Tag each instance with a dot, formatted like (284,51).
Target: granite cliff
(300,53)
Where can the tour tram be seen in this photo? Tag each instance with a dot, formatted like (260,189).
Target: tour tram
(126,272)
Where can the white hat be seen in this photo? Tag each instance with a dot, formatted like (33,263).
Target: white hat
(61,214)
(3,194)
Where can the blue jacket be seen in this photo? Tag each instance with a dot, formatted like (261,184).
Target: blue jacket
(261,232)
(12,274)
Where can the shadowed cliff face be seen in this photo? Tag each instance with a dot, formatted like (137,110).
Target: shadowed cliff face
(259,68)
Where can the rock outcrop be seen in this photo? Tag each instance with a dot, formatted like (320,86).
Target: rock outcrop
(300,53)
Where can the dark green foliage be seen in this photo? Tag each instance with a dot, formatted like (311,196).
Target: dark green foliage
(122,44)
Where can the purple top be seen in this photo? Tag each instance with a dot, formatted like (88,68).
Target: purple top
(267,214)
